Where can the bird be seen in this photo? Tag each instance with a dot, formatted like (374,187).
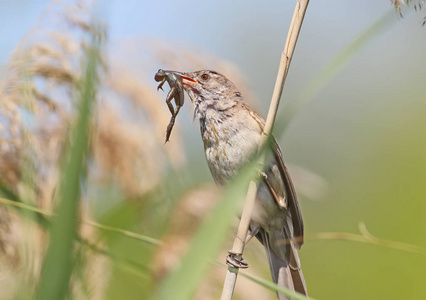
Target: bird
(231,133)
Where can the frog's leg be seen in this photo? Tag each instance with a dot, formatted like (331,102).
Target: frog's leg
(160,86)
(172,95)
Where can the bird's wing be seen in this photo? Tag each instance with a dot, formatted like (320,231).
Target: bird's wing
(290,193)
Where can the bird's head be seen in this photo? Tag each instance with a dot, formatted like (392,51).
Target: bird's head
(209,90)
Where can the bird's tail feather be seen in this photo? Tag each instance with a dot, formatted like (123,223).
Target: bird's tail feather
(285,273)
(296,272)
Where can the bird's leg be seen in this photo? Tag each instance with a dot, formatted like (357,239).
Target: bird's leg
(236,260)
(251,234)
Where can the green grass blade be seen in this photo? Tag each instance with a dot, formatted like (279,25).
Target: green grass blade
(183,281)
(129,265)
(270,285)
(332,69)
(7,197)
(125,264)
(58,263)
(126,233)
(6,193)
(24,206)
(42,214)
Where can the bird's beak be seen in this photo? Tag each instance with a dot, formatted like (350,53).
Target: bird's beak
(186,80)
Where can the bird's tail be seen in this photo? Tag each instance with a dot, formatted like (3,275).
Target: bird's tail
(285,272)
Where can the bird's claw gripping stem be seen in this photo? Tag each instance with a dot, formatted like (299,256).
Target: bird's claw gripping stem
(236,260)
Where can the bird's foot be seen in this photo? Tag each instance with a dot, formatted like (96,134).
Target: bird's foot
(236,260)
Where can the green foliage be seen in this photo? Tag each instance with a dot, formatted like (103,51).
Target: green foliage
(182,282)
(331,70)
(375,173)
(58,265)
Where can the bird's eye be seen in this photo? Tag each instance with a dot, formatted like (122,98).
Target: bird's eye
(204,76)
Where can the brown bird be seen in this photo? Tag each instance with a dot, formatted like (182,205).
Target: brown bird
(231,133)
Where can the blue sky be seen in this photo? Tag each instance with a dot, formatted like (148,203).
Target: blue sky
(251,35)
(359,122)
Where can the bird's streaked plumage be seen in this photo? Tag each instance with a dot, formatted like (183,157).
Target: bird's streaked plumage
(231,133)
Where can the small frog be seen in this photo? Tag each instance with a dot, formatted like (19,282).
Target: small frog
(176,92)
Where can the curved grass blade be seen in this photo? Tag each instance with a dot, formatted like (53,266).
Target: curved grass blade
(6,193)
(287,114)
(58,264)
(367,238)
(44,213)
(126,233)
(27,207)
(270,285)
(183,281)
(126,264)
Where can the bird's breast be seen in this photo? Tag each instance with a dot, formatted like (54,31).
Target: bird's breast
(229,144)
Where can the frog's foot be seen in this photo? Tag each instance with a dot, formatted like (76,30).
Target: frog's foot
(160,86)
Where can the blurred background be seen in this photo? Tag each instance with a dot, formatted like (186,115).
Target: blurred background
(351,126)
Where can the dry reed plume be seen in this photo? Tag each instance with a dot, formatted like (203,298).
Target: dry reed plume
(38,91)
(37,88)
